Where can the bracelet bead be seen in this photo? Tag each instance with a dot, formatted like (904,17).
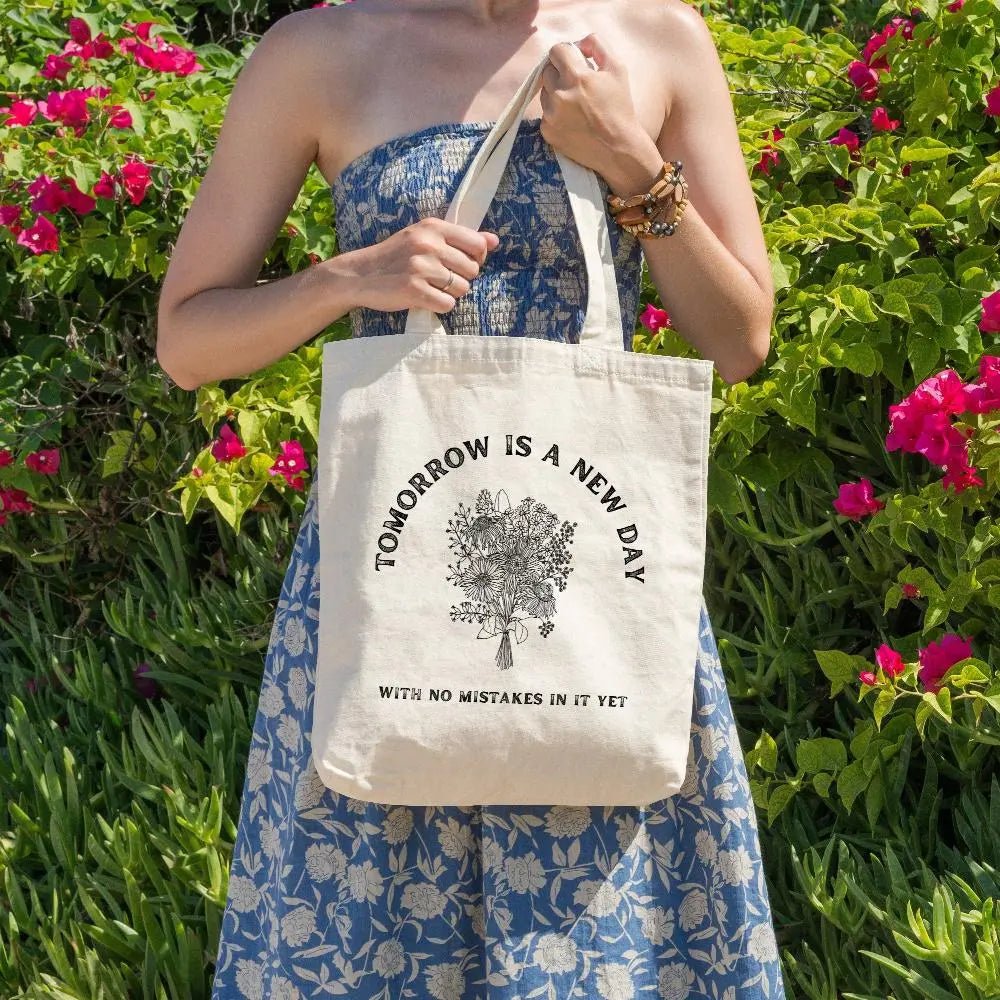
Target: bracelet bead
(668,189)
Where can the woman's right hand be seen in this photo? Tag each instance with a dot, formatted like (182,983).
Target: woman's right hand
(407,269)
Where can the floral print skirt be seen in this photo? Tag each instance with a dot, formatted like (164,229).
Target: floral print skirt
(333,896)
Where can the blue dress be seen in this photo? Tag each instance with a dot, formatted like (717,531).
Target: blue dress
(330,895)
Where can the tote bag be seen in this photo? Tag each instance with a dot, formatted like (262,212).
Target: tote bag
(512,548)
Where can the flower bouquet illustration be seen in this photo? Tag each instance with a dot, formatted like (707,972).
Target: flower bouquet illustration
(509,563)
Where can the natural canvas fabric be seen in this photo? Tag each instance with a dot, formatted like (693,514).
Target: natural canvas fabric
(511,581)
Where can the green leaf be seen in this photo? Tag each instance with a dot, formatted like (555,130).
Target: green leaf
(883,703)
(851,782)
(820,754)
(926,150)
(779,800)
(926,215)
(840,668)
(182,121)
(764,753)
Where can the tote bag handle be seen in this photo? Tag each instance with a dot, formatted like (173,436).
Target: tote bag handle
(602,326)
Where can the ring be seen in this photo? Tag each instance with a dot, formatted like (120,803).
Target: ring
(451,278)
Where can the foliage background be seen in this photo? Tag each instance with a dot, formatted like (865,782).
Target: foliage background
(135,601)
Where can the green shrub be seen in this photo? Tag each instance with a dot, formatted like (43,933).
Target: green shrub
(138,592)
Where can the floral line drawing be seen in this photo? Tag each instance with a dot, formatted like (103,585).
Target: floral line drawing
(510,561)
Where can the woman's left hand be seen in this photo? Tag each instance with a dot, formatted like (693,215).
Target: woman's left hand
(587,113)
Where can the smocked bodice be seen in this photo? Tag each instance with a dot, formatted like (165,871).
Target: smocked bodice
(534,283)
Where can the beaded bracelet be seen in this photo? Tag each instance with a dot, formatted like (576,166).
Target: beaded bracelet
(668,189)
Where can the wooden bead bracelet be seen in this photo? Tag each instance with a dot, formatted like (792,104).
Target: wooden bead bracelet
(642,214)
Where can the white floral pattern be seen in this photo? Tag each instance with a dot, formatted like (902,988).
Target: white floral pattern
(330,895)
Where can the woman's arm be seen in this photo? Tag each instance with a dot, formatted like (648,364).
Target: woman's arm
(713,275)
(214,321)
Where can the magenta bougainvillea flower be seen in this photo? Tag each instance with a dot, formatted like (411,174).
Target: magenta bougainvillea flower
(937,658)
(291,463)
(13,501)
(51,195)
(993,102)
(654,318)
(770,154)
(856,500)
(227,445)
(40,237)
(921,423)
(890,661)
(881,122)
(990,320)
(845,137)
(867,677)
(910,590)
(158,54)
(145,687)
(45,461)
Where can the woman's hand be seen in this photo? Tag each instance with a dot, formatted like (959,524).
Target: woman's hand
(587,113)
(408,269)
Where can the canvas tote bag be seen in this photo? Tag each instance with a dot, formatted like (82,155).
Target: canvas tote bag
(512,548)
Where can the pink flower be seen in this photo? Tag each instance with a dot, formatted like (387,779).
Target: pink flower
(889,660)
(990,320)
(104,187)
(6,457)
(79,30)
(55,67)
(40,237)
(22,112)
(770,155)
(80,202)
(161,55)
(145,687)
(956,5)
(290,464)
(15,501)
(227,445)
(938,439)
(845,137)
(983,396)
(944,391)
(937,658)
(45,461)
(864,78)
(140,30)
(961,476)
(878,40)
(921,423)
(855,500)
(68,107)
(993,101)
(910,590)
(121,117)
(881,121)
(96,48)
(654,318)
(197,472)
(867,677)
(49,196)
(135,179)
(10,218)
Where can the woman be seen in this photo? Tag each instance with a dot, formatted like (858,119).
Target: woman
(330,894)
